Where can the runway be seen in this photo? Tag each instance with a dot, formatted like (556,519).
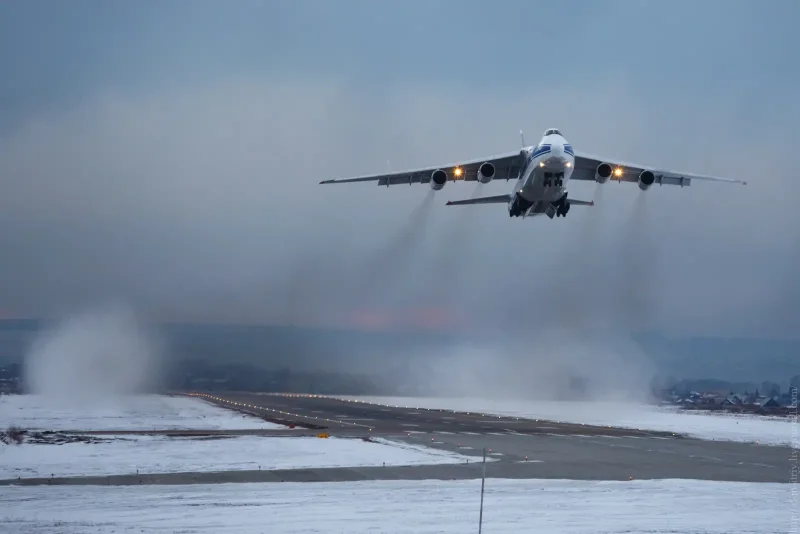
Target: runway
(552,449)
(516,447)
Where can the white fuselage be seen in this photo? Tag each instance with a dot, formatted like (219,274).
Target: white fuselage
(545,175)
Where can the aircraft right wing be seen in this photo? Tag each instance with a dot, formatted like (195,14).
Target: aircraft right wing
(506,167)
(586,166)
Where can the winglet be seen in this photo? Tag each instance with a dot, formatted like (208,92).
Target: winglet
(449,202)
(591,203)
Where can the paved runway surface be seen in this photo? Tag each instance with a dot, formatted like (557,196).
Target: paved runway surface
(518,448)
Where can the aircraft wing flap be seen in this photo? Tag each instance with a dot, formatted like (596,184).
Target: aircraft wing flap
(586,166)
(498,199)
(507,166)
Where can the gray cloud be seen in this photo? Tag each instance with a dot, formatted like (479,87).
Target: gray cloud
(196,196)
(176,199)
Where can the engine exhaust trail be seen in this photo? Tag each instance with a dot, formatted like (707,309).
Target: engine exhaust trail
(635,264)
(451,252)
(317,284)
(391,262)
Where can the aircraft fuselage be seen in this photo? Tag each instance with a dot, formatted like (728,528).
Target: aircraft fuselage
(542,185)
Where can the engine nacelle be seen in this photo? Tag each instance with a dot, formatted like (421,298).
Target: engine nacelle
(603,173)
(646,179)
(485,173)
(438,179)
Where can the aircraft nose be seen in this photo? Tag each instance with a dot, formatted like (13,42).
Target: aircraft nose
(557,150)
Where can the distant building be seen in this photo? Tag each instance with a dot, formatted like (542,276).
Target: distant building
(769,402)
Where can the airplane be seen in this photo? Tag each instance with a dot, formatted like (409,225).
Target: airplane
(541,173)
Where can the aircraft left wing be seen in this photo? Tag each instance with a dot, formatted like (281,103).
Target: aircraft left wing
(586,166)
(507,166)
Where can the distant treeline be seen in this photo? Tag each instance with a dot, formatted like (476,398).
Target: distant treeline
(199,375)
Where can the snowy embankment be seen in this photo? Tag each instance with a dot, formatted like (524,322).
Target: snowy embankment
(749,428)
(510,506)
(140,412)
(119,455)
(150,454)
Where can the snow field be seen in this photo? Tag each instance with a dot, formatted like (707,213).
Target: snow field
(419,507)
(141,412)
(156,454)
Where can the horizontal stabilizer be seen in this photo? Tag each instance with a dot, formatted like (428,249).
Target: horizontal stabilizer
(574,202)
(499,199)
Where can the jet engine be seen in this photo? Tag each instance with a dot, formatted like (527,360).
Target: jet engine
(485,173)
(438,179)
(603,173)
(646,179)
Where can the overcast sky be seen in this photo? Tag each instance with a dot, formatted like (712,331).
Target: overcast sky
(168,154)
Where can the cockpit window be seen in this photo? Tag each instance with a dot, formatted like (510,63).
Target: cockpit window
(552,131)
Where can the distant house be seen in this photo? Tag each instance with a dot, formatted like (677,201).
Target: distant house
(769,402)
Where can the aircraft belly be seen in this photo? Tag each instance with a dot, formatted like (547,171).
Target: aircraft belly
(535,191)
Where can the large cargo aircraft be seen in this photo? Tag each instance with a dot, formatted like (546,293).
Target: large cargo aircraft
(541,173)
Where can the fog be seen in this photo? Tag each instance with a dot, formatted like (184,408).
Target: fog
(555,364)
(94,358)
(182,176)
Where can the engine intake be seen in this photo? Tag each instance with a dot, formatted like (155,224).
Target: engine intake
(603,173)
(438,179)
(485,173)
(646,179)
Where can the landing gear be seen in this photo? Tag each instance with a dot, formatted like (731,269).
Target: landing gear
(519,206)
(562,206)
(554,179)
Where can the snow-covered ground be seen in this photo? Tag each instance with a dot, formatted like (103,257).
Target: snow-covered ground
(150,454)
(510,506)
(141,412)
(777,431)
